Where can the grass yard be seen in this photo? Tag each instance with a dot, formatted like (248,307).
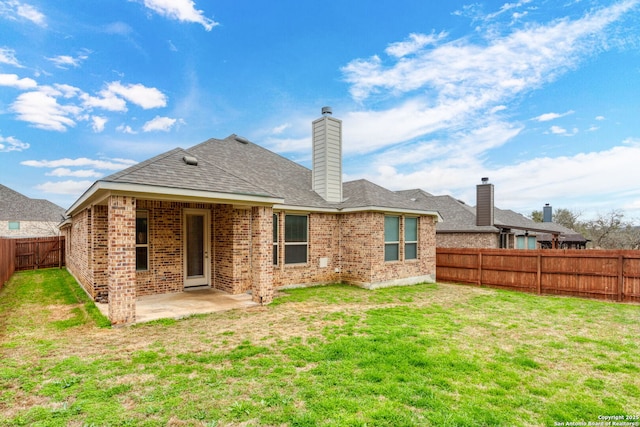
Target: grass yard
(440,355)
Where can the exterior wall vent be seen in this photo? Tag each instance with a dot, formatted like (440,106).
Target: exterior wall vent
(484,203)
(190,160)
(326,172)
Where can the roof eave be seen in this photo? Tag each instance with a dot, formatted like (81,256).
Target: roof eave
(101,189)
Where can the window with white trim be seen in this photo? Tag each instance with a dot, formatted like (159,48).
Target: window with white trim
(296,239)
(142,240)
(410,238)
(391,238)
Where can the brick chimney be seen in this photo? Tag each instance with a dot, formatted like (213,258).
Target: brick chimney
(547,213)
(484,203)
(326,173)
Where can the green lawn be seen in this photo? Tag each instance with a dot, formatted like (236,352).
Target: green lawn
(441,355)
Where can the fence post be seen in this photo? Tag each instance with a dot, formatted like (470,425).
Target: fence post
(479,268)
(620,277)
(539,273)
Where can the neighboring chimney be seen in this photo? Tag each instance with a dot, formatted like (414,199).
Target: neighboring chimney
(326,172)
(484,203)
(547,213)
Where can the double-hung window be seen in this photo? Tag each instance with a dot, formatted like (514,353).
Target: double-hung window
(391,238)
(295,239)
(142,240)
(410,238)
(275,239)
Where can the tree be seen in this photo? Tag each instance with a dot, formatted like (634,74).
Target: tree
(604,230)
(536,216)
(568,218)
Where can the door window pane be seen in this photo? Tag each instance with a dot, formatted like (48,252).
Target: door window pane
(195,245)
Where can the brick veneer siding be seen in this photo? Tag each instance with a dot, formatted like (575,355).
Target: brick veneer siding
(363,252)
(261,254)
(165,268)
(323,242)
(77,237)
(122,259)
(467,240)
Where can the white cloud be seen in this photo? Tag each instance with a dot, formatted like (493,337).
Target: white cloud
(464,82)
(64,187)
(413,44)
(110,164)
(181,10)
(82,173)
(8,56)
(12,80)
(558,130)
(13,9)
(126,129)
(599,118)
(10,143)
(551,116)
(145,97)
(98,123)
(158,123)
(43,111)
(106,100)
(279,129)
(66,61)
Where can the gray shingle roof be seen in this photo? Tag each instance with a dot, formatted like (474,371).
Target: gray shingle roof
(460,217)
(170,170)
(235,165)
(18,207)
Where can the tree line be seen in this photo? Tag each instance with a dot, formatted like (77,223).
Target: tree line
(607,231)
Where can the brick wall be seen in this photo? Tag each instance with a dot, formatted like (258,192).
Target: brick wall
(467,240)
(121,213)
(77,237)
(323,238)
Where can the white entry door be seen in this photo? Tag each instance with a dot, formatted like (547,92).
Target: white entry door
(197,264)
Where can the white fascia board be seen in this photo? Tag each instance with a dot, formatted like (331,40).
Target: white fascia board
(359,209)
(306,209)
(100,189)
(389,210)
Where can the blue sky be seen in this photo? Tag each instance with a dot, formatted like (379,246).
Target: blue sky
(541,96)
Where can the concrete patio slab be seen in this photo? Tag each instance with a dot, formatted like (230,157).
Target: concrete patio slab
(183,304)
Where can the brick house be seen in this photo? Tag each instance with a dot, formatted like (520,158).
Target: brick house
(21,216)
(231,215)
(486,226)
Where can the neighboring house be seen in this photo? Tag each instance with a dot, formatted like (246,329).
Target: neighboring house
(232,215)
(486,226)
(21,216)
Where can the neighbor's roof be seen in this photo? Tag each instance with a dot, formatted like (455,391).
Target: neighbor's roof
(458,217)
(18,207)
(232,168)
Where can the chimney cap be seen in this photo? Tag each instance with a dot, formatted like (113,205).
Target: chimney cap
(327,111)
(485,179)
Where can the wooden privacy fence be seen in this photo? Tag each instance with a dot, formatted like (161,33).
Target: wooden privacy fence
(7,260)
(39,252)
(30,253)
(604,274)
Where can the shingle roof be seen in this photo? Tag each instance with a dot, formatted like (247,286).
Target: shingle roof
(18,207)
(170,170)
(235,165)
(460,217)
